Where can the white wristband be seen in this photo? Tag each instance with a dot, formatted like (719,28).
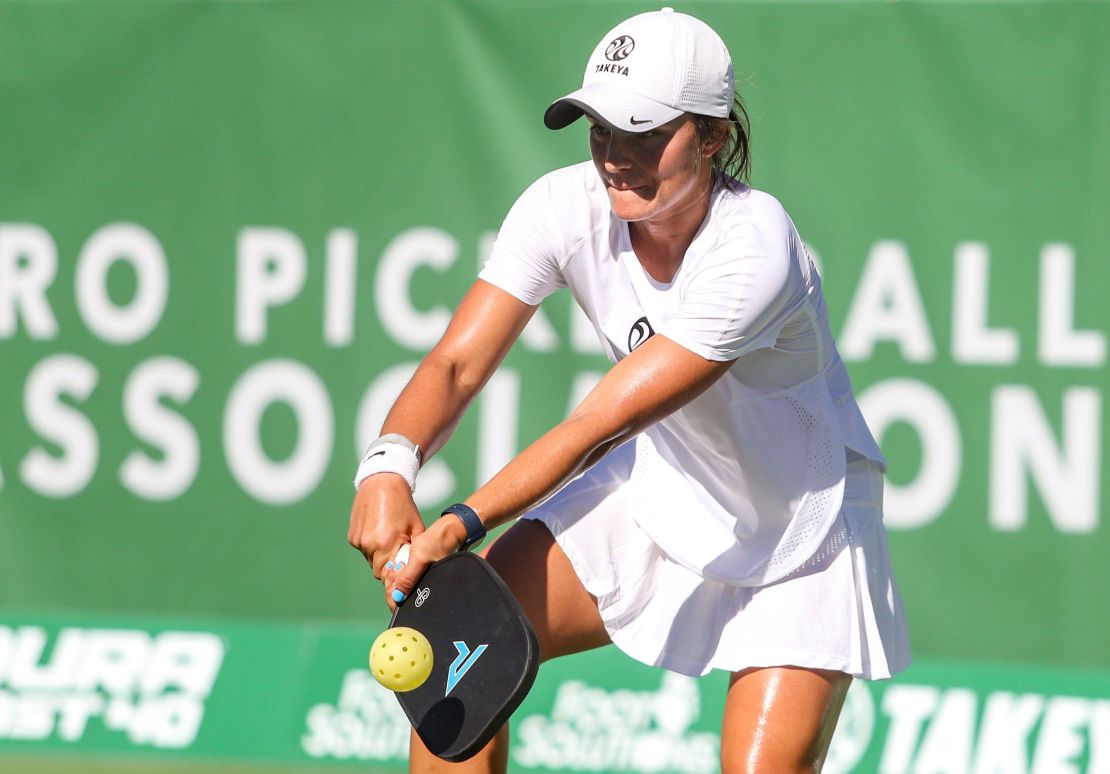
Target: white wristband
(389,457)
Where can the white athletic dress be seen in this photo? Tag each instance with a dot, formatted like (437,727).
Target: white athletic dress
(746,528)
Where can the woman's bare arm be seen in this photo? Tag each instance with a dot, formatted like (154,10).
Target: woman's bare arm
(482,330)
(651,383)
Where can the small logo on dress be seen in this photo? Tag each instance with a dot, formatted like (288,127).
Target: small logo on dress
(641,331)
(619,48)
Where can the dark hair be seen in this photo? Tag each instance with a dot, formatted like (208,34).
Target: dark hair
(734,157)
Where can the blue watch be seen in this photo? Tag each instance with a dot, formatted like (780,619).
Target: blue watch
(475,532)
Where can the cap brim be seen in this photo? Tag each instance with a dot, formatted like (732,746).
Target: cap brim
(616,106)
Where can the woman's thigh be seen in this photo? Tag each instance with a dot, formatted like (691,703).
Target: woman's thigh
(541,577)
(780,719)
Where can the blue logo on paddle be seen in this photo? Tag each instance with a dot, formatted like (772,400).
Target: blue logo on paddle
(462,663)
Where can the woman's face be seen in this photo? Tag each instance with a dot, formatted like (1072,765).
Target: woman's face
(654,175)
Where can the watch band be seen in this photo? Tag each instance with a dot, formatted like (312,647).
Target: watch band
(475,531)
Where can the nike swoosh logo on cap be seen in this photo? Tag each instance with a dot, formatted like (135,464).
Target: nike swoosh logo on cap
(632,120)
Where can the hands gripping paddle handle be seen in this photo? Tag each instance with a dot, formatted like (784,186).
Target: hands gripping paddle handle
(402,556)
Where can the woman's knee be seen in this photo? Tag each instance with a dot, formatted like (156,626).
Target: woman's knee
(543,580)
(780,719)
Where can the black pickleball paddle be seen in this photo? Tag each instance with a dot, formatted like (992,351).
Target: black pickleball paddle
(485,655)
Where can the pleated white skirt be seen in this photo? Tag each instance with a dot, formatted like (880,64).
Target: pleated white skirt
(840,610)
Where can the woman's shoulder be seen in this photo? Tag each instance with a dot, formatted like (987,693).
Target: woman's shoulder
(572,197)
(741,210)
(740,201)
(574,183)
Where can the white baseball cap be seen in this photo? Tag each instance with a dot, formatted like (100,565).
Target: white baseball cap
(649,70)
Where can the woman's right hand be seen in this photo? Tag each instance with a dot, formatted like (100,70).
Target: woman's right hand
(383,518)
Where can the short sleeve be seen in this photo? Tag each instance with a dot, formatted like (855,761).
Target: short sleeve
(739,295)
(525,260)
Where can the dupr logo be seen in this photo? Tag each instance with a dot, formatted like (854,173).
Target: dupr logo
(619,48)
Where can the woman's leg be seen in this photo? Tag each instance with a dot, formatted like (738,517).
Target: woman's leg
(780,719)
(563,614)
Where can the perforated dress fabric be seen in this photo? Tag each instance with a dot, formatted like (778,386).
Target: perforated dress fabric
(839,610)
(823,488)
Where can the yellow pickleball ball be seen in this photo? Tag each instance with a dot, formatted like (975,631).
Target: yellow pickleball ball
(401,659)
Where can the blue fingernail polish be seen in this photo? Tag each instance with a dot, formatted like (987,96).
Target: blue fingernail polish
(398,596)
(389,565)
(400,566)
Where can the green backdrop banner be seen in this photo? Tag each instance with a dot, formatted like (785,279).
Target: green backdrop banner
(216,690)
(228,232)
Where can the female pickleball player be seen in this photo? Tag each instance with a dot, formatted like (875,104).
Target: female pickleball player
(716,501)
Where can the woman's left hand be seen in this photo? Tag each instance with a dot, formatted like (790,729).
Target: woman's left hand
(443,538)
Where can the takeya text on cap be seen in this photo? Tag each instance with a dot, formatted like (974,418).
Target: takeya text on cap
(607,67)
